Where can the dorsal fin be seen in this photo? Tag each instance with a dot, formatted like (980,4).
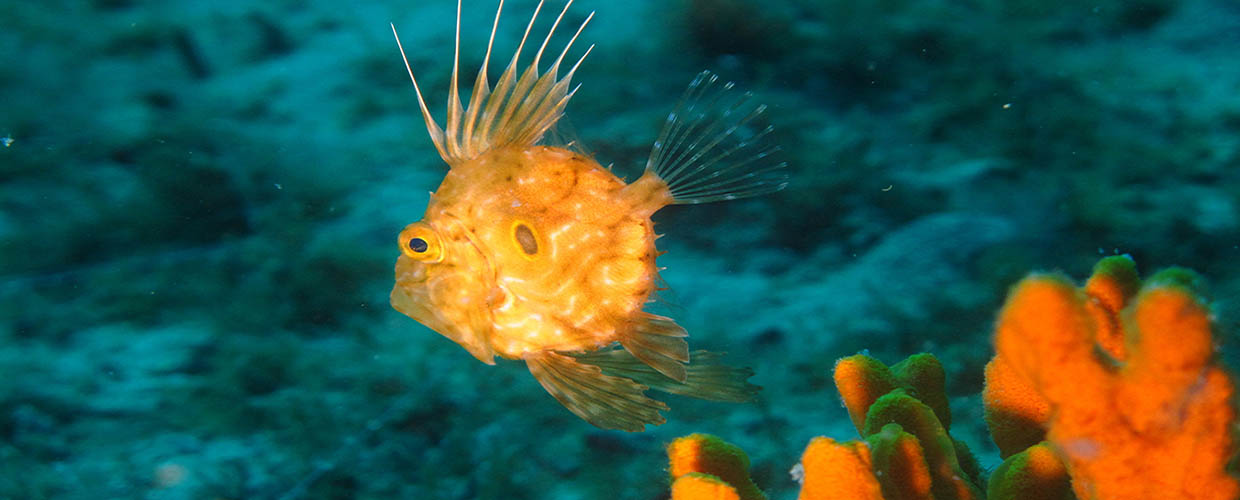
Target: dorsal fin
(517,112)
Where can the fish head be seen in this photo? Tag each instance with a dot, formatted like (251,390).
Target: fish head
(445,282)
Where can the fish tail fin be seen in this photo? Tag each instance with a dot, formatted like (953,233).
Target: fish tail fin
(517,112)
(707,377)
(711,149)
(604,401)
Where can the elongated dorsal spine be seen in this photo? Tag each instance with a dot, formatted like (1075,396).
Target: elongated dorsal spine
(517,112)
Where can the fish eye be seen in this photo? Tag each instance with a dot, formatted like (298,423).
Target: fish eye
(419,242)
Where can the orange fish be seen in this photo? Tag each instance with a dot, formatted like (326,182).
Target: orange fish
(538,253)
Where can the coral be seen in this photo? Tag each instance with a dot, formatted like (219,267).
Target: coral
(706,468)
(841,470)
(906,452)
(906,427)
(1015,413)
(862,380)
(700,486)
(1121,379)
(1107,391)
(1033,474)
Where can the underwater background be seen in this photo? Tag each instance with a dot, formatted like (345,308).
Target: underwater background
(199,203)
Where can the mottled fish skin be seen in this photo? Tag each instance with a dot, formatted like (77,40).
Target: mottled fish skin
(541,254)
(556,254)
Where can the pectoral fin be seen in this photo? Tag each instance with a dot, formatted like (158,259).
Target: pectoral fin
(659,342)
(603,400)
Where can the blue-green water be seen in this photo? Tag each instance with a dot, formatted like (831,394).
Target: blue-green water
(200,201)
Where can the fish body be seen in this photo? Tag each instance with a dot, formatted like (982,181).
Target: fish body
(550,251)
(539,253)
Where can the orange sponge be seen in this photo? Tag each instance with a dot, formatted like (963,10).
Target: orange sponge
(832,470)
(862,379)
(1015,412)
(699,486)
(1104,392)
(720,461)
(1125,388)
(1033,474)
(903,415)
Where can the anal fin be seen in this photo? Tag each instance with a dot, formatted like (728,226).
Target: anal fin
(603,400)
(706,377)
(659,342)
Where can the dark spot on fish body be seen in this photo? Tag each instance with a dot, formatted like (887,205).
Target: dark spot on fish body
(525,239)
